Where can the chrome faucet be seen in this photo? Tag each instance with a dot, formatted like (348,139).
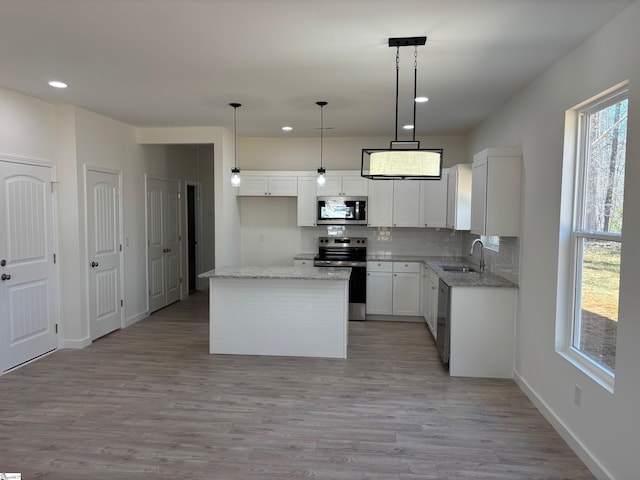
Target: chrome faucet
(477,240)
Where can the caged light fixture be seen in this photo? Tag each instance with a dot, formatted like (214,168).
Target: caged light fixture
(235,171)
(403,159)
(321,179)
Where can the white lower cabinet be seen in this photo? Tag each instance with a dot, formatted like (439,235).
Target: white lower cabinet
(430,299)
(482,331)
(406,288)
(393,288)
(379,288)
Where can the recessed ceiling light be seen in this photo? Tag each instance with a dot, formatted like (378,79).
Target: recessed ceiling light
(57,84)
(421,99)
(408,127)
(287,128)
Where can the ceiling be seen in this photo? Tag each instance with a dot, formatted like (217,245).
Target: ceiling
(179,63)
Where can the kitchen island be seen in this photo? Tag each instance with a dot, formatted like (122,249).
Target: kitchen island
(284,311)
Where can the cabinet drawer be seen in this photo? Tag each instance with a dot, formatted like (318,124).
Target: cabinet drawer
(380,267)
(406,267)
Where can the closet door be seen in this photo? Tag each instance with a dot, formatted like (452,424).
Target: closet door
(163,242)
(104,250)
(28,289)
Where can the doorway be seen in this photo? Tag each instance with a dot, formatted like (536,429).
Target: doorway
(193,209)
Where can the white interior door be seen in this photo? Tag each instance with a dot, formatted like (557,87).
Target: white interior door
(172,241)
(28,289)
(103,247)
(163,240)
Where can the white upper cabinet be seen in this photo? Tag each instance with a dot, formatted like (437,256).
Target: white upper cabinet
(380,203)
(406,203)
(268,185)
(495,199)
(459,197)
(307,201)
(344,185)
(433,202)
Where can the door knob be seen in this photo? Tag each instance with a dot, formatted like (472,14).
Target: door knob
(94,264)
(5,277)
(3,262)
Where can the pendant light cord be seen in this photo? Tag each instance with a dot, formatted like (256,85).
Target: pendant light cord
(415,88)
(321,131)
(397,83)
(235,138)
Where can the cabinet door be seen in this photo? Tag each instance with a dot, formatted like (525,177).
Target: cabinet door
(479,197)
(280,186)
(459,197)
(379,297)
(406,203)
(354,186)
(380,203)
(306,201)
(451,199)
(253,185)
(406,294)
(433,202)
(331,188)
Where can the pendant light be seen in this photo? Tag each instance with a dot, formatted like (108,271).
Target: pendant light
(403,160)
(235,171)
(321,179)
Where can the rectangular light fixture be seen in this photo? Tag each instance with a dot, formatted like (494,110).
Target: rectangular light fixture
(402,164)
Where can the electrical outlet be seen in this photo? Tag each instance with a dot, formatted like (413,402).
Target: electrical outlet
(577,395)
(261,238)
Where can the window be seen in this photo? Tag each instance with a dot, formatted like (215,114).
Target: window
(491,242)
(596,234)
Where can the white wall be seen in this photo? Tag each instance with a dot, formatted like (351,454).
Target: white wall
(71,138)
(605,428)
(339,153)
(269,231)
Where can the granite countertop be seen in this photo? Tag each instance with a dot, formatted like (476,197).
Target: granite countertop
(282,273)
(453,279)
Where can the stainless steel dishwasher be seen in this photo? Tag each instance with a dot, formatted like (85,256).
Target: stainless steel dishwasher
(443,326)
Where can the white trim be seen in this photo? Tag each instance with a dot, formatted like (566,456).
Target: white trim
(559,426)
(77,344)
(26,160)
(135,319)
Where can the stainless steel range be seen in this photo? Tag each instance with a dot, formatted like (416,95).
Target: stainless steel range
(347,252)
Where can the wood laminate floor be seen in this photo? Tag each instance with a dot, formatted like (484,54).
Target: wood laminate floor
(149,402)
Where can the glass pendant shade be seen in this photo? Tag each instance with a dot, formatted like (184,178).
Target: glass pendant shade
(235,177)
(321,179)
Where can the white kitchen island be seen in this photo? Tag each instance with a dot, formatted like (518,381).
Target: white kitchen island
(285,311)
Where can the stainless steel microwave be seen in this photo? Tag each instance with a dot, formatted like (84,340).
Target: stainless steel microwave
(341,211)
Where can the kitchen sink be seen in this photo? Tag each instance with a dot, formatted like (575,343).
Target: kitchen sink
(458,268)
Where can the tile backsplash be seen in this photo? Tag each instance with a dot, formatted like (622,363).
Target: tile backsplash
(426,242)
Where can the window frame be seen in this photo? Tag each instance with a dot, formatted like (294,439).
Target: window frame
(577,155)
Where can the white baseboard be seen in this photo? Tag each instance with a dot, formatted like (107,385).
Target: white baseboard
(394,318)
(135,319)
(76,344)
(568,436)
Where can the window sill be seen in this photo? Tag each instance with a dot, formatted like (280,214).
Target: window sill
(591,369)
